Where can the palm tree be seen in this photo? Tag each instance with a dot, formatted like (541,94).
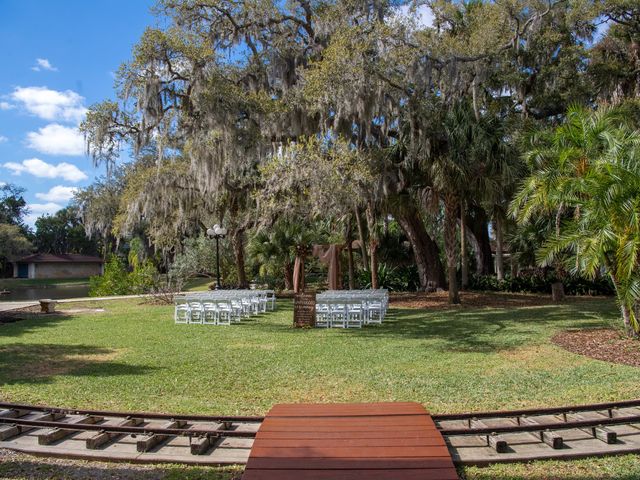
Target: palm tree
(586,174)
(467,162)
(275,250)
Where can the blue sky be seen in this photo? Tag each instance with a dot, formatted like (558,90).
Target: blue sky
(58,58)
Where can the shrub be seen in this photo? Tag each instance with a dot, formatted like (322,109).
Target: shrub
(397,279)
(539,282)
(114,280)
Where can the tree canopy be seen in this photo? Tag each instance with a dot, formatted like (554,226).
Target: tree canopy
(350,113)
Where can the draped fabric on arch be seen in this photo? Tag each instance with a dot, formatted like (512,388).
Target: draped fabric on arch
(330,256)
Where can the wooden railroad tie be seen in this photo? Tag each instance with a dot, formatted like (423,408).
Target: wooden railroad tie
(604,434)
(101,438)
(13,413)
(497,442)
(147,442)
(201,445)
(56,434)
(549,437)
(10,431)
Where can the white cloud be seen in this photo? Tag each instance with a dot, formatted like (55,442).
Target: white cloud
(56,139)
(51,104)
(422,15)
(36,210)
(43,64)
(6,106)
(38,168)
(59,193)
(49,207)
(3,139)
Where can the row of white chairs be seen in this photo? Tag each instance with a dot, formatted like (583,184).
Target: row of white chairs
(351,308)
(222,307)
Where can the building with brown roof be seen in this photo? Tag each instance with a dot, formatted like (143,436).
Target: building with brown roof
(69,265)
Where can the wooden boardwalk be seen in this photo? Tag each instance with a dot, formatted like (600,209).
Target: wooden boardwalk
(373,441)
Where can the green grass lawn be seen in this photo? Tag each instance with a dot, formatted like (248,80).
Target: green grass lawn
(198,284)
(10,283)
(133,357)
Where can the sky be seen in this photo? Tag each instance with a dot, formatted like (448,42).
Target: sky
(58,58)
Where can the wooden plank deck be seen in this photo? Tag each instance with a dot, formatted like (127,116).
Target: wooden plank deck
(373,441)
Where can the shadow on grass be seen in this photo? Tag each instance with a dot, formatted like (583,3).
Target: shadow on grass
(39,363)
(21,467)
(15,324)
(481,330)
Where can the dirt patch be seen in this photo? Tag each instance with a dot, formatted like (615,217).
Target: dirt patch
(604,344)
(73,311)
(10,316)
(440,300)
(49,361)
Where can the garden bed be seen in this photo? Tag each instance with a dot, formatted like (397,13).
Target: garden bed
(440,300)
(604,344)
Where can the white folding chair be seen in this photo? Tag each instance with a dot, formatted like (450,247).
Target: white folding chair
(197,312)
(209,313)
(355,314)
(225,312)
(271,298)
(374,312)
(338,313)
(323,315)
(182,311)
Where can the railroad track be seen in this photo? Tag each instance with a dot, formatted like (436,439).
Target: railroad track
(551,433)
(477,438)
(127,436)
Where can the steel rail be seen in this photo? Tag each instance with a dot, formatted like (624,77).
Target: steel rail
(560,425)
(176,432)
(105,413)
(537,411)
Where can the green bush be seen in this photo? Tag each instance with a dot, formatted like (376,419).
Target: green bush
(116,280)
(539,282)
(397,279)
(143,278)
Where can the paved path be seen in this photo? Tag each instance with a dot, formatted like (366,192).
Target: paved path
(366,441)
(6,306)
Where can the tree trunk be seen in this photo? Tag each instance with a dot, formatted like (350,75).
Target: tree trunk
(476,226)
(514,266)
(626,318)
(464,261)
(373,245)
(288,276)
(348,240)
(238,251)
(425,251)
(557,292)
(450,220)
(373,254)
(363,246)
(499,253)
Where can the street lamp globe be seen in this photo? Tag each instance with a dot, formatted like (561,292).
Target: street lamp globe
(217,232)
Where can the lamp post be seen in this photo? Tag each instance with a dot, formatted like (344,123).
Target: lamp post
(217,232)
